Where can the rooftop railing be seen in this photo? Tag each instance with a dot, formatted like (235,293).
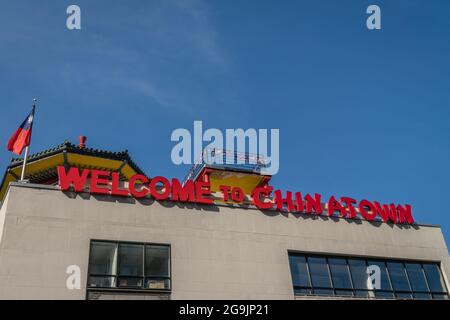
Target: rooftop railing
(227,160)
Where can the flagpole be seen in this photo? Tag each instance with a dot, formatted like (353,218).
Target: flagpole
(22,177)
(27,149)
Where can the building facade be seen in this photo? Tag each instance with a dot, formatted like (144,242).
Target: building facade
(79,245)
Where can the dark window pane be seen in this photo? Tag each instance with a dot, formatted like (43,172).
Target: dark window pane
(398,276)
(361,293)
(384,294)
(358,270)
(384,278)
(402,295)
(102,260)
(339,273)
(299,271)
(157,261)
(319,272)
(323,292)
(131,259)
(303,291)
(438,296)
(344,292)
(423,296)
(434,277)
(101,282)
(157,283)
(130,282)
(416,277)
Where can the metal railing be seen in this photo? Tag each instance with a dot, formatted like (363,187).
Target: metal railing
(227,160)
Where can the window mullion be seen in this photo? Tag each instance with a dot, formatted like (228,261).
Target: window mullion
(329,275)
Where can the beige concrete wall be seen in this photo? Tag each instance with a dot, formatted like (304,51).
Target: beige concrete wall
(217,252)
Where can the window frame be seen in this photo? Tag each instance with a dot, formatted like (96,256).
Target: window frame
(116,276)
(369,294)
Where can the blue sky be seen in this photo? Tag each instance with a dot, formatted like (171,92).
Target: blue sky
(361,113)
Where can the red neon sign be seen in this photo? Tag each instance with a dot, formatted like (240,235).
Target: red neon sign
(161,188)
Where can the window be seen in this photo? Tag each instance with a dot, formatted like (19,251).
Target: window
(124,265)
(157,267)
(417,280)
(131,265)
(434,277)
(341,276)
(320,276)
(102,264)
(399,280)
(300,274)
(385,290)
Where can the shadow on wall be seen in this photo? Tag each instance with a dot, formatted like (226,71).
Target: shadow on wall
(338,219)
(216,209)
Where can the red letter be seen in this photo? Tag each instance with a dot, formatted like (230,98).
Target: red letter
(203,189)
(349,202)
(226,192)
(153,190)
(404,214)
(313,203)
(72,177)
(280,201)
(386,212)
(237,195)
(115,190)
(335,205)
(132,186)
(256,196)
(368,216)
(99,177)
(299,202)
(183,193)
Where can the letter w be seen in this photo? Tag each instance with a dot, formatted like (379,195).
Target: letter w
(66,179)
(386,212)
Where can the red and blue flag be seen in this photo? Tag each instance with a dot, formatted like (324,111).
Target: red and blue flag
(22,137)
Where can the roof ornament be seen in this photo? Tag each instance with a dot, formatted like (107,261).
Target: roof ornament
(82,140)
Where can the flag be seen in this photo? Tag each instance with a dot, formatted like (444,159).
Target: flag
(22,137)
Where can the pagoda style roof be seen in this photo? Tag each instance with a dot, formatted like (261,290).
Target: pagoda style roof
(234,169)
(41,166)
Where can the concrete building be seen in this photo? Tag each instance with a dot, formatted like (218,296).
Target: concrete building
(139,248)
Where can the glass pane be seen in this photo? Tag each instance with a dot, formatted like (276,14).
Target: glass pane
(384,278)
(130,282)
(131,259)
(361,294)
(319,272)
(103,258)
(416,277)
(157,283)
(440,296)
(157,261)
(101,282)
(402,295)
(323,292)
(398,276)
(299,271)
(384,294)
(344,292)
(303,291)
(358,270)
(434,277)
(422,296)
(339,273)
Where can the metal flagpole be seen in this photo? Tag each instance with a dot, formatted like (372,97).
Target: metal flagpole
(27,149)
(22,177)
